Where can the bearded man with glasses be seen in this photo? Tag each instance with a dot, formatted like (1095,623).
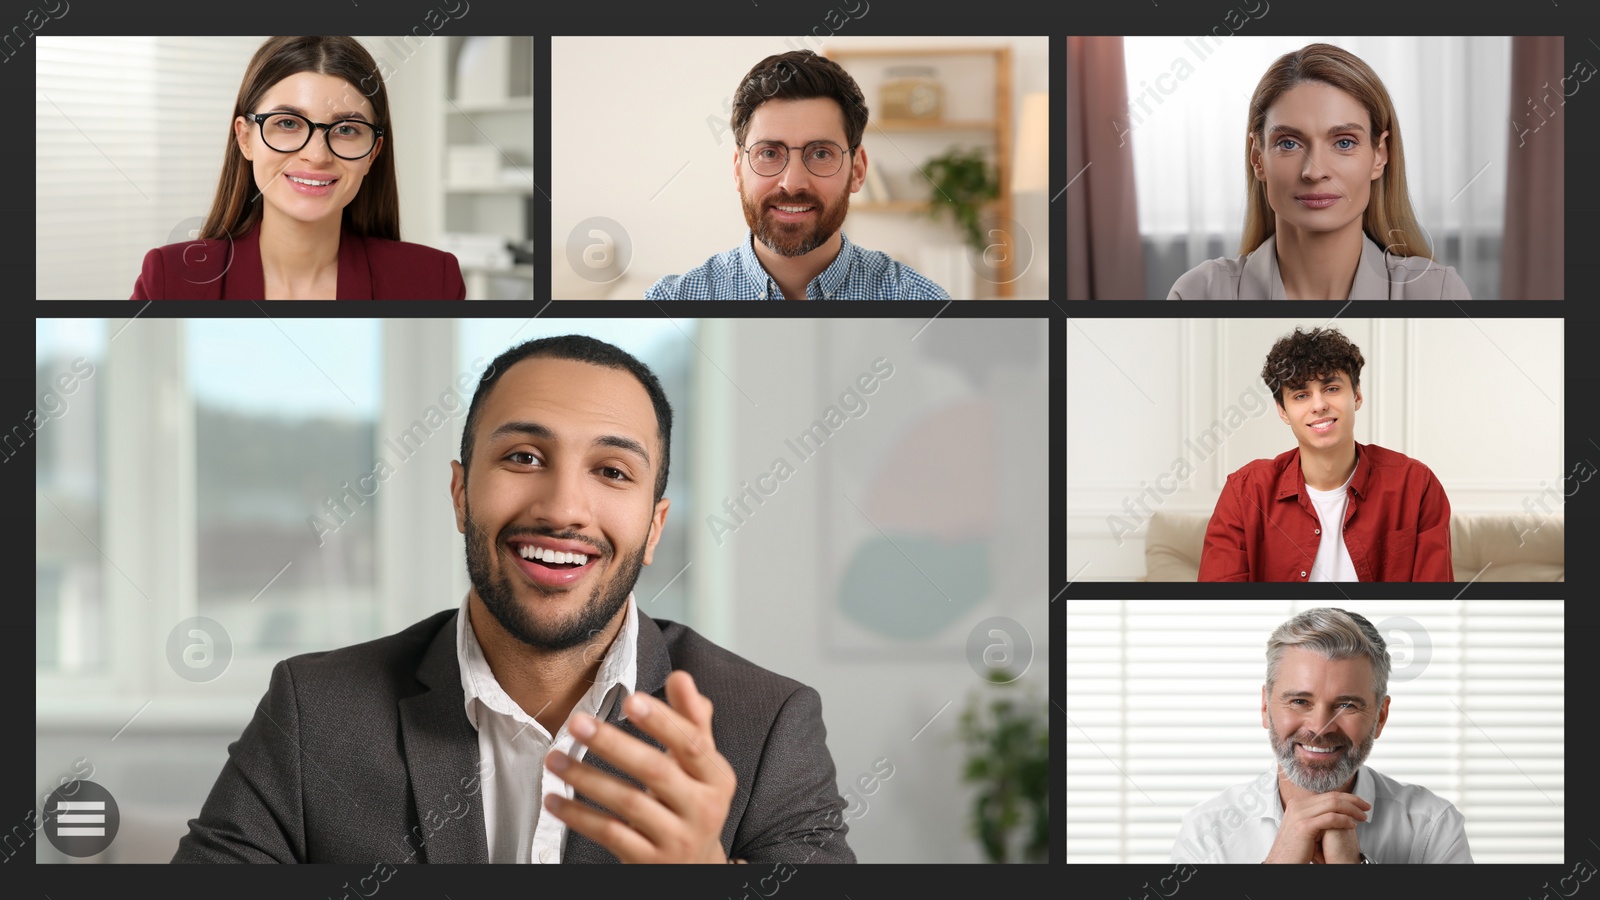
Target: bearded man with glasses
(798,119)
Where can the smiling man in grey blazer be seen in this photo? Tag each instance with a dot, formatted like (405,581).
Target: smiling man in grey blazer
(547,718)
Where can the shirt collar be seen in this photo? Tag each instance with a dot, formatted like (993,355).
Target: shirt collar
(1292,481)
(620,666)
(827,285)
(1261,277)
(1365,788)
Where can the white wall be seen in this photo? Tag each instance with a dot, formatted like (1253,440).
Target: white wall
(676,198)
(877,694)
(1478,400)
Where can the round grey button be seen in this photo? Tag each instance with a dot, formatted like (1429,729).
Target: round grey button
(999,649)
(1006,242)
(199,267)
(199,649)
(1410,647)
(81,818)
(599,249)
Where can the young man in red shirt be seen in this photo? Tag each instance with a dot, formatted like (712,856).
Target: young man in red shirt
(1330,509)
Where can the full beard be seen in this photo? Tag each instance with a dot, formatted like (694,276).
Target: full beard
(794,238)
(495,590)
(1319,779)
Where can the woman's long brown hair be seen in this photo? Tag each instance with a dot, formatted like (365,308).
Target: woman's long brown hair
(375,211)
(1389,219)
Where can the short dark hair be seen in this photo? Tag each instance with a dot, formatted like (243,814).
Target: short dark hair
(585,349)
(799,75)
(1306,356)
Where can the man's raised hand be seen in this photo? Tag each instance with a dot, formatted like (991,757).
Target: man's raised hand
(679,815)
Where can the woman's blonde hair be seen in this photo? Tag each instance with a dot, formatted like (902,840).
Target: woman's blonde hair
(1389,219)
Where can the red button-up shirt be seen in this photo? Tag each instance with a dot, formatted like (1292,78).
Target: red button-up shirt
(1396,523)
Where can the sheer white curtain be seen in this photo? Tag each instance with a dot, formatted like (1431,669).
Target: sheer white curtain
(1188,102)
(129,133)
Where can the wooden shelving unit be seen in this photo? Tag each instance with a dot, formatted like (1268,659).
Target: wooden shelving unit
(996,129)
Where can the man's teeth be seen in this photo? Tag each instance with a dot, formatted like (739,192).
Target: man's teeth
(529,551)
(793,209)
(309,181)
(1319,749)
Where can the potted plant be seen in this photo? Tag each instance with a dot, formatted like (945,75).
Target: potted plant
(1008,758)
(963,181)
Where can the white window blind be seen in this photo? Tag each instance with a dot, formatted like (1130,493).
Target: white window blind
(1163,709)
(129,137)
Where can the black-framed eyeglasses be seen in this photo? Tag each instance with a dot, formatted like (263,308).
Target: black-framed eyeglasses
(289,133)
(822,158)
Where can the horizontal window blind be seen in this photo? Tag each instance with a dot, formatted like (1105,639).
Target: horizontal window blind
(1163,708)
(129,136)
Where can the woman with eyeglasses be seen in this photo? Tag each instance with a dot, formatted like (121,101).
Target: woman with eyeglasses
(307,207)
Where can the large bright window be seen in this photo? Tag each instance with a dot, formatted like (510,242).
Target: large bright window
(287,479)
(1163,709)
(65,428)
(285,414)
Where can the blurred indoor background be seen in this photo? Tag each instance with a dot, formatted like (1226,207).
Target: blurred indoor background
(1156,146)
(1476,716)
(1160,412)
(130,132)
(200,468)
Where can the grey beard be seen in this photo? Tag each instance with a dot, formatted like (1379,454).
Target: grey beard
(1319,779)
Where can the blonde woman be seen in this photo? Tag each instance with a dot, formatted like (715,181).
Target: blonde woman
(1328,216)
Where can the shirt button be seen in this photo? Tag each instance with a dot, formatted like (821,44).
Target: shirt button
(547,856)
(1316,531)
(1302,574)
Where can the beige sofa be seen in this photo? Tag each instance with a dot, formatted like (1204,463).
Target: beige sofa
(1173,542)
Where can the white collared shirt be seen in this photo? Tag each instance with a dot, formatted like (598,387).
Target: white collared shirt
(1406,824)
(512,745)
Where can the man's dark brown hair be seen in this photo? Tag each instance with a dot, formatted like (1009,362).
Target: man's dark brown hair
(1306,356)
(800,75)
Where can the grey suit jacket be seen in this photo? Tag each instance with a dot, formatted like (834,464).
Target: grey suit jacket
(365,755)
(1380,275)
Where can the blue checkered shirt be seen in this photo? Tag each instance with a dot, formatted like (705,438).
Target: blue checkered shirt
(856,274)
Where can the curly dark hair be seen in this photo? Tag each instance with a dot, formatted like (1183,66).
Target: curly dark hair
(799,75)
(1305,356)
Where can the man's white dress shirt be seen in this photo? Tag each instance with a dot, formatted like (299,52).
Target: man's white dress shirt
(512,745)
(1406,824)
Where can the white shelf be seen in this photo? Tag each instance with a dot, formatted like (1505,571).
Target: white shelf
(522,271)
(488,188)
(509,105)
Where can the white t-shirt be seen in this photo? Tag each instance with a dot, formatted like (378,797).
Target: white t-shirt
(1333,561)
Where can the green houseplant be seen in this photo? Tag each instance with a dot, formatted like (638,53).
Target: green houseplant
(1008,758)
(963,181)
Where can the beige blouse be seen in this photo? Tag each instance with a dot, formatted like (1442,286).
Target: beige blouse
(1380,276)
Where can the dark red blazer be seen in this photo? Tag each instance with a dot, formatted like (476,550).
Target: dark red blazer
(369,269)
(1396,523)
